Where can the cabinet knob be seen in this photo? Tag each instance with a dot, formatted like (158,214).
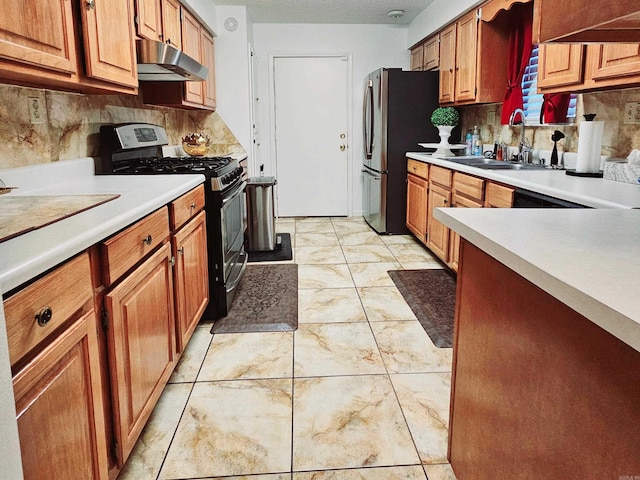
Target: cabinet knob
(343,148)
(91,4)
(44,316)
(148,240)
(194,205)
(181,250)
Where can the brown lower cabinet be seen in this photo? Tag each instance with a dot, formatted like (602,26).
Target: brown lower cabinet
(85,384)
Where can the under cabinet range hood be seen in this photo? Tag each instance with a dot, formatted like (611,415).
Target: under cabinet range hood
(160,62)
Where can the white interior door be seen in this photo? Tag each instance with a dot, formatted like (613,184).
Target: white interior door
(311,144)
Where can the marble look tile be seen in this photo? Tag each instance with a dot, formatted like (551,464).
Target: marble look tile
(147,455)
(384,303)
(424,399)
(314,220)
(21,142)
(360,238)
(372,274)
(431,264)
(399,239)
(234,356)
(318,226)
(324,276)
(360,412)
(275,476)
(440,472)
(315,239)
(411,252)
(336,349)
(367,253)
(240,427)
(413,472)
(406,348)
(191,360)
(330,305)
(345,226)
(319,255)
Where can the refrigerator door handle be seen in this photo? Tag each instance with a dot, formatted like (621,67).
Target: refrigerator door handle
(368,120)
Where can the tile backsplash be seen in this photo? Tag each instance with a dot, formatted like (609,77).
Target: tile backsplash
(69,124)
(618,139)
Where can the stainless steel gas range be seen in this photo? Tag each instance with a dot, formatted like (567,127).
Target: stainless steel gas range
(136,149)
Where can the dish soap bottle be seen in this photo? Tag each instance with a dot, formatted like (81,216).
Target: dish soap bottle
(469,143)
(476,142)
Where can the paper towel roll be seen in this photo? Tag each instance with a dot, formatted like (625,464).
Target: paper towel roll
(589,146)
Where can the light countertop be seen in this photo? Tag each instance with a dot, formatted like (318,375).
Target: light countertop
(591,192)
(28,255)
(588,259)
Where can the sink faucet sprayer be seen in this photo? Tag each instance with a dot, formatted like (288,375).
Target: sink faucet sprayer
(524,145)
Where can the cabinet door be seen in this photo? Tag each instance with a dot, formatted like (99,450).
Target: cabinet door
(191,45)
(59,408)
(417,189)
(447,64)
(454,238)
(438,233)
(209,60)
(466,52)
(431,58)
(39,33)
(417,55)
(560,65)
(171,25)
(142,349)
(498,196)
(149,19)
(109,41)
(616,60)
(191,277)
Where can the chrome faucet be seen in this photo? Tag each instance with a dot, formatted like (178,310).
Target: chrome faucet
(524,145)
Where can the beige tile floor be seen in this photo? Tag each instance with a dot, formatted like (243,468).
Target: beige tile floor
(358,392)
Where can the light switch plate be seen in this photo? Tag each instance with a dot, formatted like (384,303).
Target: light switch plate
(36,110)
(632,113)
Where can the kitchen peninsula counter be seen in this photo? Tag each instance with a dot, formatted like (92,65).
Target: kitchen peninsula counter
(590,192)
(30,254)
(547,344)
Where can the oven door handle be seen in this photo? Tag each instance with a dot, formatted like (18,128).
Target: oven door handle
(234,195)
(238,277)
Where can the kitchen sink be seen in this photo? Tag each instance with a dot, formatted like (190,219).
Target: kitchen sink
(491,164)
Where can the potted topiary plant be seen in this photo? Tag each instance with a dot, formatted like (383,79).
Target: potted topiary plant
(445,118)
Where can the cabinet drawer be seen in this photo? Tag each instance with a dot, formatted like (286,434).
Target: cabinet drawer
(418,168)
(185,207)
(38,310)
(499,196)
(124,250)
(471,187)
(441,176)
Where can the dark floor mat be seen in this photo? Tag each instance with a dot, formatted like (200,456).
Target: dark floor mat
(431,294)
(281,253)
(266,301)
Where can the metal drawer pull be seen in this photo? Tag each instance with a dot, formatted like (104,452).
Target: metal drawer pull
(44,316)
(148,240)
(194,205)
(181,250)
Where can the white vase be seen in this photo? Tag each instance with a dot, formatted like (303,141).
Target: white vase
(444,147)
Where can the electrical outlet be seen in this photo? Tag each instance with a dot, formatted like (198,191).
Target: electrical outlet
(491,118)
(632,113)
(36,110)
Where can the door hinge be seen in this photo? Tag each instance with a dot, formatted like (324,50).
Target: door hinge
(104,318)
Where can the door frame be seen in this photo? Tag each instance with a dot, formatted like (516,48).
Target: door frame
(272,116)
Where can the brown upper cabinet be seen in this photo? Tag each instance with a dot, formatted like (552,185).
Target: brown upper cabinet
(571,67)
(426,56)
(171,23)
(582,21)
(474,55)
(198,43)
(79,45)
(149,19)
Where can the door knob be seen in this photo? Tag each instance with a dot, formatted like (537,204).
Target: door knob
(343,147)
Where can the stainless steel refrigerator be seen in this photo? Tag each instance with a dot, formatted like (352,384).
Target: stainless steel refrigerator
(397,116)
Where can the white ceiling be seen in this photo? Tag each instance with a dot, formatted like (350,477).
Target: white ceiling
(329,11)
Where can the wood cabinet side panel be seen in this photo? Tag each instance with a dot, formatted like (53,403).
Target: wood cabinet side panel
(209,61)
(533,378)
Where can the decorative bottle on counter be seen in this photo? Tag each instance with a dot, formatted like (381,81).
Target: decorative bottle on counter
(469,143)
(476,141)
